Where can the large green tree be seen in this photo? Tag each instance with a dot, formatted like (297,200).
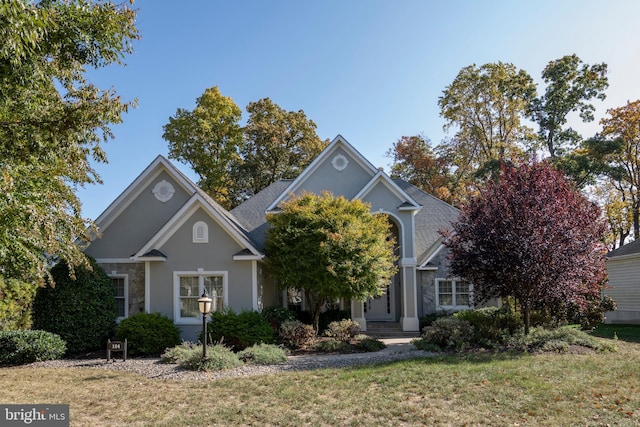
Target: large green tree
(486,106)
(571,84)
(235,162)
(52,122)
(209,139)
(278,144)
(330,248)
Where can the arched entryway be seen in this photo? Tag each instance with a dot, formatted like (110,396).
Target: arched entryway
(386,307)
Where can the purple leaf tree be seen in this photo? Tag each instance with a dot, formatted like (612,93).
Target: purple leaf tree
(532,236)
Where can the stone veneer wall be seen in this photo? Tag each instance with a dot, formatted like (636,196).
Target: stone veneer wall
(136,283)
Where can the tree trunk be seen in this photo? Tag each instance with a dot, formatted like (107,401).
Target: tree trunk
(526,312)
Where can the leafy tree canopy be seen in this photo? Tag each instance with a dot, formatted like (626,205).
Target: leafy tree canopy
(570,85)
(330,248)
(531,236)
(486,106)
(52,122)
(235,162)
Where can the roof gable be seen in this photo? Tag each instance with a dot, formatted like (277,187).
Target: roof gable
(339,168)
(629,250)
(156,167)
(405,202)
(217,213)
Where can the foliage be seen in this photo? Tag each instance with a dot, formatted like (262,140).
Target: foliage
(180,353)
(449,333)
(295,334)
(331,248)
(333,346)
(232,162)
(240,331)
(209,139)
(332,315)
(530,236)
(26,346)
(621,131)
(218,358)
(81,310)
(570,85)
(486,105)
(424,345)
(148,333)
(593,314)
(428,319)
(52,121)
(16,298)
(277,315)
(559,340)
(278,144)
(369,344)
(491,325)
(343,330)
(263,354)
(417,163)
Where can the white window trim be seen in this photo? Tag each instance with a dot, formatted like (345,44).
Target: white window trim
(454,307)
(205,229)
(201,274)
(115,275)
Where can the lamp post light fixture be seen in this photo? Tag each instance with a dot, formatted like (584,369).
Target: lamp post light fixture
(204,305)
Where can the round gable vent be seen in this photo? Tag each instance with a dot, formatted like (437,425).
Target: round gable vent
(340,162)
(163,191)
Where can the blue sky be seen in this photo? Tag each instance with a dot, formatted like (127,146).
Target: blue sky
(370,70)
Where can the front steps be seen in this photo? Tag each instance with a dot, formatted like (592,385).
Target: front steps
(382,330)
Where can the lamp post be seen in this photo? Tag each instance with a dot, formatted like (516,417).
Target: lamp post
(204,305)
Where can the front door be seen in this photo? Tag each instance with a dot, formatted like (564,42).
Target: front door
(380,308)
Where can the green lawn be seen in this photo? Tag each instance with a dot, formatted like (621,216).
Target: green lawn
(459,390)
(629,333)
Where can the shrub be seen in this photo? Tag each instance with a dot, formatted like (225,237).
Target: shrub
(449,333)
(218,358)
(333,346)
(26,346)
(263,354)
(180,353)
(343,330)
(369,344)
(491,325)
(16,298)
(148,333)
(295,334)
(240,330)
(81,311)
(428,319)
(276,315)
(541,339)
(332,315)
(422,344)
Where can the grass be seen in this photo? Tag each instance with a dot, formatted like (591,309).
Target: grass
(479,389)
(629,333)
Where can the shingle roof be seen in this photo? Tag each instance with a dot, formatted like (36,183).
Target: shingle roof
(632,248)
(251,215)
(435,215)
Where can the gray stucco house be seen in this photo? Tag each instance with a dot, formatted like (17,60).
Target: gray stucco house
(623,269)
(163,241)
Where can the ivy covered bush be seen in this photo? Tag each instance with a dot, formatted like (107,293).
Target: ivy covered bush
(148,334)
(81,310)
(27,346)
(240,331)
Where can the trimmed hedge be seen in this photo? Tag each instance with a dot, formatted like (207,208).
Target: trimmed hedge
(27,346)
(81,311)
(148,334)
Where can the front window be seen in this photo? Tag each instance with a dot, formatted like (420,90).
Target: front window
(453,294)
(119,283)
(191,285)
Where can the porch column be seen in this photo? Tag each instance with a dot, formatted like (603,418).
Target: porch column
(357,314)
(409,319)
